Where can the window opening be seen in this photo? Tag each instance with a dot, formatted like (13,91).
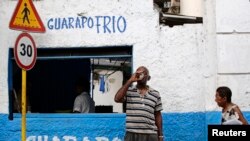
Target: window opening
(50,83)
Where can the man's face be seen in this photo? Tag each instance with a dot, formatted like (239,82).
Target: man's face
(142,70)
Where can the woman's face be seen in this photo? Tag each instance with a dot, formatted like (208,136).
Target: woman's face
(220,100)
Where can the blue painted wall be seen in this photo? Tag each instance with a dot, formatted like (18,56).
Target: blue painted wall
(103,127)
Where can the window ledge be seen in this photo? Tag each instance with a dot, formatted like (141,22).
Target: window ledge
(173,19)
(71,115)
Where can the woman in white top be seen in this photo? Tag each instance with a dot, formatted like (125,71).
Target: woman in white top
(231,113)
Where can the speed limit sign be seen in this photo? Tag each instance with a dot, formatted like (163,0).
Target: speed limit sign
(25,51)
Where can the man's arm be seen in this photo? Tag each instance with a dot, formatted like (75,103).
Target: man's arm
(119,96)
(77,105)
(158,122)
(241,116)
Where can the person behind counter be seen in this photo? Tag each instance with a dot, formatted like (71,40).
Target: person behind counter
(83,102)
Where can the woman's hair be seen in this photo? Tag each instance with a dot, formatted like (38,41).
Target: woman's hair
(225,92)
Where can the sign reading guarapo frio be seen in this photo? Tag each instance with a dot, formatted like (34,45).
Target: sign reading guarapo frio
(101,24)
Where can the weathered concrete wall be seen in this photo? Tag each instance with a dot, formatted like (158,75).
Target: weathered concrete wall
(232,30)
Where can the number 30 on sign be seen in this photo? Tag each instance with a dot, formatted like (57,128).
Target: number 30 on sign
(25,51)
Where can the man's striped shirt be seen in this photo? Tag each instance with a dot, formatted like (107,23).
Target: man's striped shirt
(140,111)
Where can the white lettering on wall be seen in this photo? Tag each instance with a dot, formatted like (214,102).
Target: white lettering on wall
(116,139)
(67,138)
(85,139)
(101,139)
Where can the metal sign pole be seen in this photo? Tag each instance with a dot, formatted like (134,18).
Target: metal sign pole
(23,105)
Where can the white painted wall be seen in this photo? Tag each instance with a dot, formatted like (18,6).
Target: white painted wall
(233,44)
(182,60)
(232,16)
(179,72)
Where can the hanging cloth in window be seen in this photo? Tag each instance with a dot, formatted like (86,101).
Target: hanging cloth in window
(102,83)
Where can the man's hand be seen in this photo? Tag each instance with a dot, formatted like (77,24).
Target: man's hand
(160,138)
(136,76)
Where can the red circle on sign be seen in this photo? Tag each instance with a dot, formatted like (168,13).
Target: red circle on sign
(25,51)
